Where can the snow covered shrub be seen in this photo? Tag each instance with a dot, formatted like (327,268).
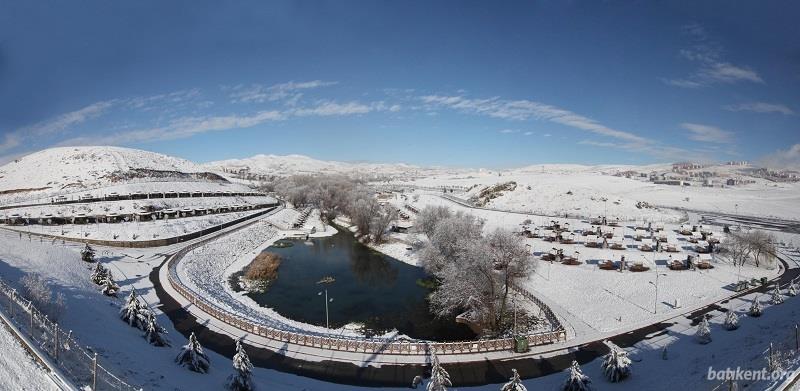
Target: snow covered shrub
(777,298)
(35,289)
(99,274)
(192,356)
(731,320)
(616,364)
(109,287)
(153,332)
(87,254)
(792,289)
(242,379)
(514,384)
(755,308)
(703,334)
(131,312)
(440,379)
(576,381)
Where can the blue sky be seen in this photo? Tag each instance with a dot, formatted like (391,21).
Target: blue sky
(458,83)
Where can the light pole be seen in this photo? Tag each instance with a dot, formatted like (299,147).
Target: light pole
(327,323)
(655,301)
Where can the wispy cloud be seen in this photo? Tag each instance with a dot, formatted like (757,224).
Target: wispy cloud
(509,131)
(783,159)
(288,92)
(707,133)
(525,110)
(49,127)
(711,68)
(761,107)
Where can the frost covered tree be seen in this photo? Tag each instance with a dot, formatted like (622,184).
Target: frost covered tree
(703,334)
(731,320)
(153,333)
(382,220)
(242,379)
(429,217)
(777,297)
(99,274)
(576,381)
(514,383)
(36,289)
(109,287)
(131,312)
(440,379)
(87,254)
(616,364)
(192,356)
(755,308)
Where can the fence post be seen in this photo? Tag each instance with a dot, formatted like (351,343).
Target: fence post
(94,373)
(30,308)
(796,338)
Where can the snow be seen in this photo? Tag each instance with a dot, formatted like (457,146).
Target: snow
(18,369)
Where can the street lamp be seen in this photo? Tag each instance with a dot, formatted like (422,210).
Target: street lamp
(327,323)
(655,302)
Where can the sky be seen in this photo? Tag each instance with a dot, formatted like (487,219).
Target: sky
(448,83)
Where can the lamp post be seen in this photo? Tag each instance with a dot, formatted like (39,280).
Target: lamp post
(655,301)
(327,323)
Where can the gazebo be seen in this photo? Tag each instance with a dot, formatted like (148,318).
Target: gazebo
(705,262)
(647,245)
(696,237)
(617,244)
(671,247)
(685,229)
(662,236)
(590,241)
(567,238)
(702,247)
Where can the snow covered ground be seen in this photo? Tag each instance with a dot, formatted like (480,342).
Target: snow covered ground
(595,191)
(18,369)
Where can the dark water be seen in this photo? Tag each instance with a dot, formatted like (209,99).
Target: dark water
(370,288)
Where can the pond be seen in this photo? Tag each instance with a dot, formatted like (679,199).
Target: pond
(370,288)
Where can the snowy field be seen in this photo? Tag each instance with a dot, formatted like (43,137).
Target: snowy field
(18,369)
(595,191)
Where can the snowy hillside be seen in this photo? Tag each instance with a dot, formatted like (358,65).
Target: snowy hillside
(75,168)
(298,164)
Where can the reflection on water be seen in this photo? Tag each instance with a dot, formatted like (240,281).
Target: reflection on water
(372,289)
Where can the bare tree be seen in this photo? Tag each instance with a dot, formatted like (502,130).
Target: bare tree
(429,217)
(511,258)
(386,215)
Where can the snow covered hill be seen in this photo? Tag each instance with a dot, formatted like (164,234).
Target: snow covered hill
(75,168)
(270,165)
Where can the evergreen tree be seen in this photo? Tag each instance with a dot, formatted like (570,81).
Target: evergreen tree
(153,332)
(87,254)
(242,379)
(109,287)
(99,274)
(192,356)
(703,334)
(792,289)
(440,379)
(577,381)
(731,320)
(755,308)
(777,298)
(131,311)
(515,384)
(616,364)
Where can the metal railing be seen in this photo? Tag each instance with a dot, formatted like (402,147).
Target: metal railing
(80,364)
(355,344)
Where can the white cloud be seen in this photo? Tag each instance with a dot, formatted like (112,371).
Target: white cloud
(288,92)
(72,118)
(712,68)
(509,131)
(524,110)
(783,159)
(528,133)
(334,109)
(761,107)
(707,133)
